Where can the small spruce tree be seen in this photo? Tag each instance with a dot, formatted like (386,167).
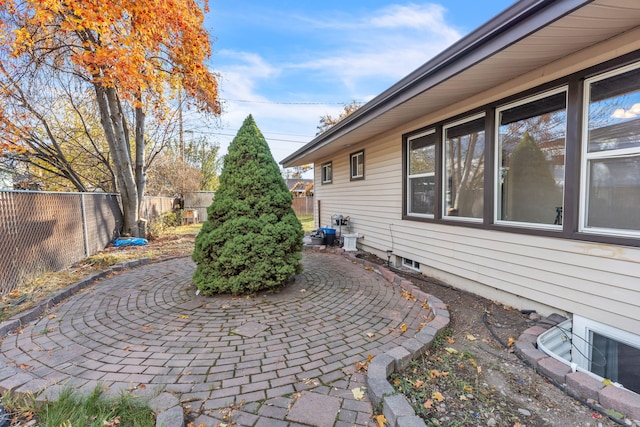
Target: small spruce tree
(252,239)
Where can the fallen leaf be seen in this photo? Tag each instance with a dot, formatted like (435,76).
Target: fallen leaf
(485,340)
(438,396)
(479,369)
(403,328)
(444,374)
(380,420)
(607,381)
(450,340)
(596,416)
(370,334)
(511,341)
(14,293)
(183,316)
(126,347)
(146,328)
(52,316)
(467,388)
(471,337)
(428,404)
(418,384)
(113,423)
(451,350)
(369,268)
(463,397)
(434,373)
(408,295)
(142,386)
(358,394)
(517,424)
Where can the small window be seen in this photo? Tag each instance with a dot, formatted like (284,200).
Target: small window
(421,179)
(531,160)
(357,165)
(610,188)
(463,166)
(414,265)
(327,173)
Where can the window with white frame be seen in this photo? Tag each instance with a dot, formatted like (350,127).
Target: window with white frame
(421,171)
(357,165)
(414,265)
(530,148)
(610,187)
(327,172)
(607,352)
(463,165)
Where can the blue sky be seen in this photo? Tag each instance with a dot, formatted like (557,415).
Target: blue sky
(290,62)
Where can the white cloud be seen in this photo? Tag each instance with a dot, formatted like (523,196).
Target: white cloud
(337,58)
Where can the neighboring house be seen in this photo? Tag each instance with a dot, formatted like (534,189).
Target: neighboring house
(300,187)
(509,166)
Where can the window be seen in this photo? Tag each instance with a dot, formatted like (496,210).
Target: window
(530,146)
(464,168)
(607,352)
(357,165)
(327,173)
(611,154)
(414,265)
(421,167)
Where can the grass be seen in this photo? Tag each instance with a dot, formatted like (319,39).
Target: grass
(307,223)
(72,409)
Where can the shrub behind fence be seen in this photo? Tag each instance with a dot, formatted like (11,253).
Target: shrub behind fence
(42,231)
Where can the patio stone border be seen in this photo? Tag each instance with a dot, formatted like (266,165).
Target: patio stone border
(395,406)
(577,383)
(167,408)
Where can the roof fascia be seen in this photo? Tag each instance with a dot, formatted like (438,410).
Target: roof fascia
(515,23)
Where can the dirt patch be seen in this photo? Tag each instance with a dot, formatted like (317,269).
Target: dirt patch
(505,391)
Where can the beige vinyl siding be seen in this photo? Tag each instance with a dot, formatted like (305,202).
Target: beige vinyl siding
(597,281)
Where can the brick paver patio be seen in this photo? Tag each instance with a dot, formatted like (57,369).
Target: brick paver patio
(275,359)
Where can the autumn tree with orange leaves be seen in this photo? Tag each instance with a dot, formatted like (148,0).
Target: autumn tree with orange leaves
(132,54)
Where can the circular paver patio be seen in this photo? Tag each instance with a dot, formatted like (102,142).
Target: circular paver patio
(285,358)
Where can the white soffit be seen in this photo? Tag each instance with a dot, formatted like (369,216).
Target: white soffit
(589,25)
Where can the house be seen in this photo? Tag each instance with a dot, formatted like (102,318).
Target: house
(509,166)
(300,187)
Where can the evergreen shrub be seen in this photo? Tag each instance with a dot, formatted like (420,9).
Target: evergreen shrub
(252,239)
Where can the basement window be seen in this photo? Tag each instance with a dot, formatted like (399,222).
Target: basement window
(599,350)
(409,263)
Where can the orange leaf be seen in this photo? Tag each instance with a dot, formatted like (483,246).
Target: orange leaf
(428,404)
(438,396)
(380,420)
(511,341)
(403,328)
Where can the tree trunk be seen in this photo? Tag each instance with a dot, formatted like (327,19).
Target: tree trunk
(115,132)
(141,178)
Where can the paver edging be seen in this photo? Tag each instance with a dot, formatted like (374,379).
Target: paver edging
(166,415)
(395,406)
(580,387)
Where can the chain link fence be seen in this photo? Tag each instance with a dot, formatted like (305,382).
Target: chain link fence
(43,231)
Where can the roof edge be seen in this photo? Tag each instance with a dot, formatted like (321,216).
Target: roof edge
(501,24)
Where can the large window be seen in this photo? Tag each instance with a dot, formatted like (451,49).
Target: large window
(357,165)
(575,141)
(421,167)
(327,173)
(530,145)
(464,160)
(611,151)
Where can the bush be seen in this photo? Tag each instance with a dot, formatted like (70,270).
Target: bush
(161,223)
(252,239)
